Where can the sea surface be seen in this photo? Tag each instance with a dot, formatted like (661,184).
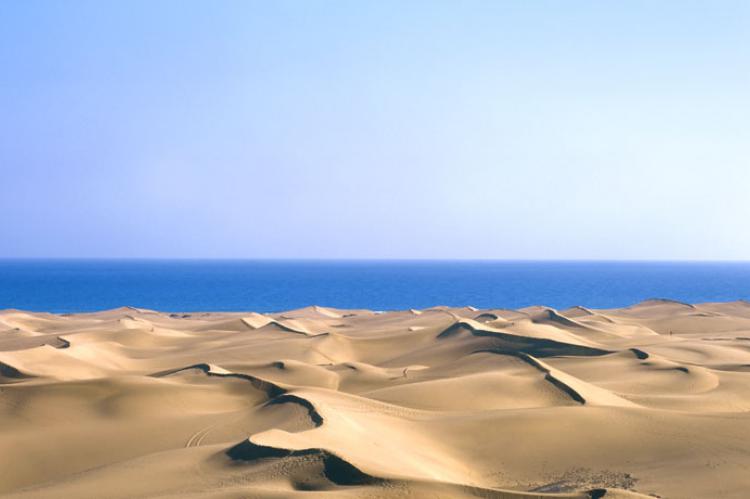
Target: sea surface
(274,285)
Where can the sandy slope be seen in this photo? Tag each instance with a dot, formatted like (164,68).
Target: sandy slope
(649,400)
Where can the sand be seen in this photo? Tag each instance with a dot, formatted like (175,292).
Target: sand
(652,400)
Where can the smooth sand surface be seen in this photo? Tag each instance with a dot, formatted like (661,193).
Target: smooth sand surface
(651,400)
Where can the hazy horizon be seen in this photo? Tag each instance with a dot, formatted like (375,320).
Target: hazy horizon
(360,259)
(375,130)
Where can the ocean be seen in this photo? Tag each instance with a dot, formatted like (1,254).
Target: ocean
(275,285)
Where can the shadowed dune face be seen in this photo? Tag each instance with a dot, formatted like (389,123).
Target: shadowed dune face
(652,400)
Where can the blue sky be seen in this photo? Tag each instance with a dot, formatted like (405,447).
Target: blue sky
(321,129)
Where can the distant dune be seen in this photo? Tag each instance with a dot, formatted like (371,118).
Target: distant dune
(652,400)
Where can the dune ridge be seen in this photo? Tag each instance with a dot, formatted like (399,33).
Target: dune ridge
(650,400)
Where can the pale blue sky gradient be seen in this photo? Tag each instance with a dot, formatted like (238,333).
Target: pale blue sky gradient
(354,129)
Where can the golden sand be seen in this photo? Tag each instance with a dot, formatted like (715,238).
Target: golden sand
(650,400)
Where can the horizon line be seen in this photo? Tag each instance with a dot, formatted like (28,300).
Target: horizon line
(369,259)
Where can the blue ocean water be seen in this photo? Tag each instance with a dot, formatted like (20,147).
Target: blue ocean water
(266,286)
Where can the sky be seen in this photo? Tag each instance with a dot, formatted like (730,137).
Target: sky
(375,129)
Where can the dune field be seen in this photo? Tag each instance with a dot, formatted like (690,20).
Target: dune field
(651,400)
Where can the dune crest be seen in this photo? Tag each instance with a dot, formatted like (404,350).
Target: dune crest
(651,400)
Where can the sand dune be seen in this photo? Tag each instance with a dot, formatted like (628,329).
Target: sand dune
(651,400)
